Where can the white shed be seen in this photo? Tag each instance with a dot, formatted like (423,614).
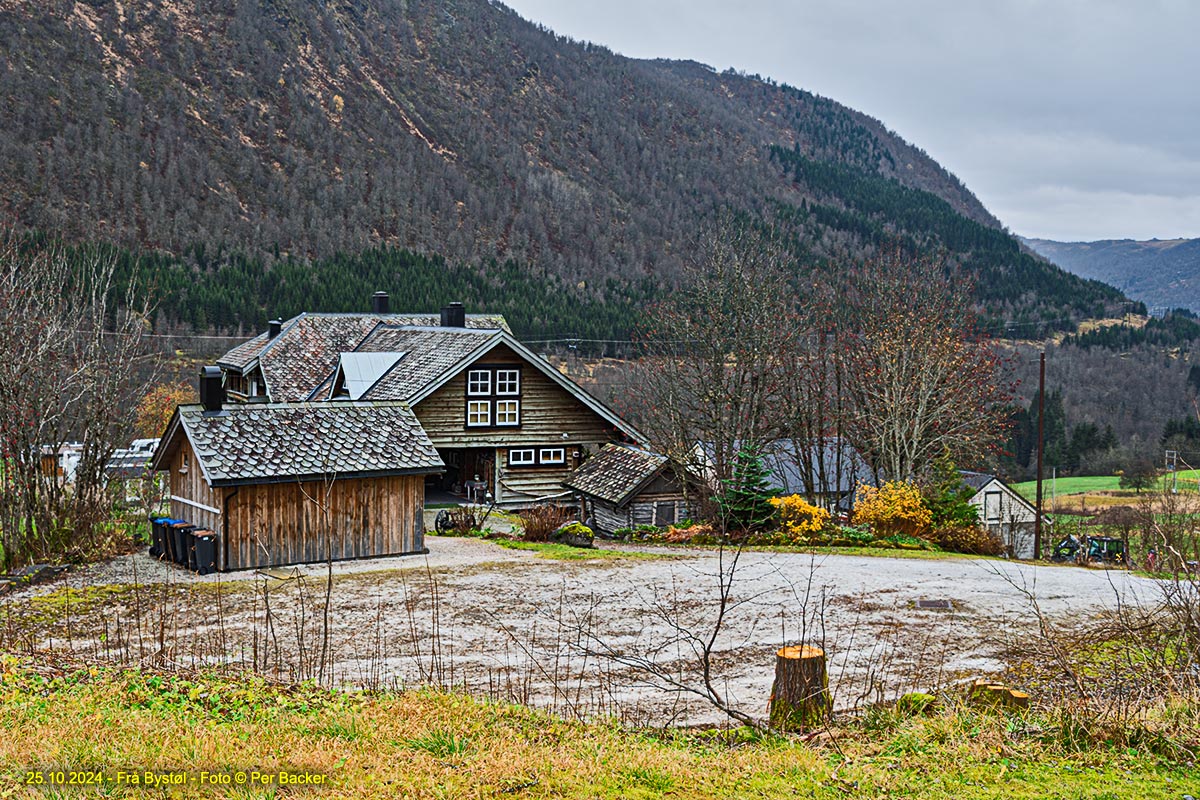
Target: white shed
(1004,512)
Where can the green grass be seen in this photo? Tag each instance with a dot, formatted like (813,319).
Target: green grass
(1062,486)
(441,744)
(562,552)
(433,744)
(1185,479)
(841,550)
(882,552)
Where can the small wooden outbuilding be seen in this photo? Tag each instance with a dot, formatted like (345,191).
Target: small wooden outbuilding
(624,485)
(1005,513)
(290,483)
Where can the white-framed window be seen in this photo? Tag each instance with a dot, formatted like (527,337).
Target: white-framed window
(521,458)
(508,381)
(479,382)
(479,413)
(552,455)
(991,506)
(508,412)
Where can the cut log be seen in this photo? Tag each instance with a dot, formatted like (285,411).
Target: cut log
(800,696)
(993,693)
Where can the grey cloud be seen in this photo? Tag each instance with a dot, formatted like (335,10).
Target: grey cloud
(1067,115)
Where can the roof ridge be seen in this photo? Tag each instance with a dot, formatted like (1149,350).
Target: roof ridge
(318,404)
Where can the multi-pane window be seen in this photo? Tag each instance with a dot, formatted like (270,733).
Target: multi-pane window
(537,457)
(508,381)
(479,413)
(493,397)
(479,382)
(522,458)
(508,412)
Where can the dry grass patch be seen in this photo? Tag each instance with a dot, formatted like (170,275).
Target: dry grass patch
(428,744)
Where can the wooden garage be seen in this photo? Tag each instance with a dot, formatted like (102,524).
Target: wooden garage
(293,483)
(624,485)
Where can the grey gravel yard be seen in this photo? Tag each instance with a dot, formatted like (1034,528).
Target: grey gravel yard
(557,634)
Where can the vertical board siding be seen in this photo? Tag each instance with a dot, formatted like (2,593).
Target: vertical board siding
(191,485)
(293,523)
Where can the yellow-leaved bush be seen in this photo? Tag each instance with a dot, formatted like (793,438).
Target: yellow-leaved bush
(894,508)
(798,519)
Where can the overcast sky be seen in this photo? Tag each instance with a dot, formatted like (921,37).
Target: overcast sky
(1070,119)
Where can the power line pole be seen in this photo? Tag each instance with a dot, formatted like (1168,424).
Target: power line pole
(1041,443)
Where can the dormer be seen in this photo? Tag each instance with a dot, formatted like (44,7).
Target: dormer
(358,372)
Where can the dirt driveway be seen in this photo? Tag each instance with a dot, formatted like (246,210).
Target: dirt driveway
(576,636)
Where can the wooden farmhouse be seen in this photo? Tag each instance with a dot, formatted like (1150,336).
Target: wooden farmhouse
(506,424)
(287,483)
(623,486)
(1005,513)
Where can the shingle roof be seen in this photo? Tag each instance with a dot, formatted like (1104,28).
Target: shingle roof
(244,354)
(844,467)
(429,354)
(976,480)
(266,443)
(307,348)
(615,473)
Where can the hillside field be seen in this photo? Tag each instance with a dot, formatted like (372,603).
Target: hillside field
(1186,479)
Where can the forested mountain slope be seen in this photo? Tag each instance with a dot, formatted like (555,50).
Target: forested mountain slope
(1164,273)
(266,129)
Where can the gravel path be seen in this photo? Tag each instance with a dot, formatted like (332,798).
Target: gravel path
(560,634)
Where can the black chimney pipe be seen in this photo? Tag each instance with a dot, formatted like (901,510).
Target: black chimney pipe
(379,303)
(454,316)
(273,328)
(212,393)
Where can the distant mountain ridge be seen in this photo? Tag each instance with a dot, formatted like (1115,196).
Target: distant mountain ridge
(321,129)
(1162,273)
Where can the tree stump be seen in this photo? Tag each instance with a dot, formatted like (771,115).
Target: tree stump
(800,695)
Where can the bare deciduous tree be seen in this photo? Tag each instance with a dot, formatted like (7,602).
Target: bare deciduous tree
(921,381)
(73,361)
(713,370)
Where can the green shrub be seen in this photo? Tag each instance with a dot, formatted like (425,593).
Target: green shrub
(902,541)
(948,497)
(855,535)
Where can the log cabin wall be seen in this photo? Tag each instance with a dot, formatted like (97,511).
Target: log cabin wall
(517,484)
(291,523)
(192,498)
(606,517)
(659,510)
(662,503)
